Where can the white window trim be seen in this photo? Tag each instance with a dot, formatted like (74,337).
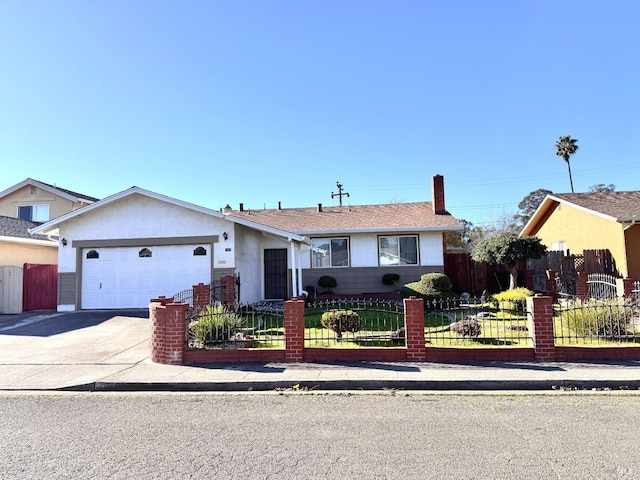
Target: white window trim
(330,253)
(417,238)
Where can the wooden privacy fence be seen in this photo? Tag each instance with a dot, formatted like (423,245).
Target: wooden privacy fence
(473,277)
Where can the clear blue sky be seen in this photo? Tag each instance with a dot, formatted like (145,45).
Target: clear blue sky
(217,102)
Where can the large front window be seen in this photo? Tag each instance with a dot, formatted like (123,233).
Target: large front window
(34,213)
(398,250)
(330,252)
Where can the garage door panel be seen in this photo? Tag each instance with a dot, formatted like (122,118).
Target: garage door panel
(120,278)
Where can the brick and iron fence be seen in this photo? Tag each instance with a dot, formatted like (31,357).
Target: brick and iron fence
(282,333)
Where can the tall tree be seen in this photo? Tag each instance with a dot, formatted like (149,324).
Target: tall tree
(565,147)
(601,187)
(508,248)
(528,206)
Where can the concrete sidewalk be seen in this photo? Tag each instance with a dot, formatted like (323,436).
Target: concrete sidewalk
(109,351)
(147,376)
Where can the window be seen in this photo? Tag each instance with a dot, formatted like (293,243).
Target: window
(559,246)
(144,253)
(398,250)
(34,213)
(329,252)
(93,254)
(200,251)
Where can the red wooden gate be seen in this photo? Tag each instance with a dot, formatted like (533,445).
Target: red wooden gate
(39,287)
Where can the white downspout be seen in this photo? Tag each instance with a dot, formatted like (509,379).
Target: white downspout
(300,288)
(294,280)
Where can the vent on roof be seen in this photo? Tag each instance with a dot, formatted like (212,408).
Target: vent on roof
(279,205)
(242,207)
(319,207)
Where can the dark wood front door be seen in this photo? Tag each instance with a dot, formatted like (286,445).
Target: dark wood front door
(275,273)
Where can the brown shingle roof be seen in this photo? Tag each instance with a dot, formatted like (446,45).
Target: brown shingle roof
(18,228)
(622,206)
(401,216)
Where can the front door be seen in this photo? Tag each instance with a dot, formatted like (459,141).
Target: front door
(275,273)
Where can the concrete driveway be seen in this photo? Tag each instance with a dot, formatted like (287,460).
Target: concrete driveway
(84,337)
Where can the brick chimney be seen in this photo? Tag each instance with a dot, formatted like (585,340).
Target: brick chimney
(437,190)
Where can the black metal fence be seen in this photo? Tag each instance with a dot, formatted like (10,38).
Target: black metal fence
(354,323)
(243,326)
(477,322)
(598,321)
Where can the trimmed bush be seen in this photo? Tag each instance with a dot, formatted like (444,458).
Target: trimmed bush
(514,299)
(390,278)
(327,281)
(214,325)
(430,287)
(341,321)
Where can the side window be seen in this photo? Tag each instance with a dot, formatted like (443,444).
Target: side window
(34,213)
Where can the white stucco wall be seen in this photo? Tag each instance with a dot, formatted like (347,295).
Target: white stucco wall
(138,216)
(364,250)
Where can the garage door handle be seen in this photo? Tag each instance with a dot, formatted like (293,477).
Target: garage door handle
(100,284)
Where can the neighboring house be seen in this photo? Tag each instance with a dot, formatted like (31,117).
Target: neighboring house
(358,244)
(595,220)
(18,246)
(40,202)
(135,245)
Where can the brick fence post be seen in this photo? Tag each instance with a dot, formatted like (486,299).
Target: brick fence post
(625,286)
(228,291)
(294,330)
(168,334)
(414,329)
(201,295)
(540,308)
(582,287)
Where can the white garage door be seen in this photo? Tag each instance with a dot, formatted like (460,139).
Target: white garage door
(128,277)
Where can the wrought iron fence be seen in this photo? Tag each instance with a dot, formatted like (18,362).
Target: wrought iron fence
(602,285)
(477,322)
(605,321)
(354,323)
(184,296)
(244,326)
(566,284)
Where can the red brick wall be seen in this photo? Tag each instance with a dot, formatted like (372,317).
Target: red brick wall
(168,332)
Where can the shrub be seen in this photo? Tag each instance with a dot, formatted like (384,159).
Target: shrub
(390,278)
(431,287)
(467,328)
(327,281)
(214,325)
(341,321)
(514,299)
(599,318)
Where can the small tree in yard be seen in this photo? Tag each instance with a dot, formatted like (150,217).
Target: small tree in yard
(507,248)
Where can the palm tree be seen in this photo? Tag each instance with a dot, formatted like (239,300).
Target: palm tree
(565,147)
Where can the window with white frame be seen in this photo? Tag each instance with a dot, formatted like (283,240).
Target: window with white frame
(34,213)
(398,250)
(329,252)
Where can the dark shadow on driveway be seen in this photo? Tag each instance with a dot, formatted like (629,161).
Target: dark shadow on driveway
(48,323)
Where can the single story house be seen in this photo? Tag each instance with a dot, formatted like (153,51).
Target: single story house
(123,250)
(594,220)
